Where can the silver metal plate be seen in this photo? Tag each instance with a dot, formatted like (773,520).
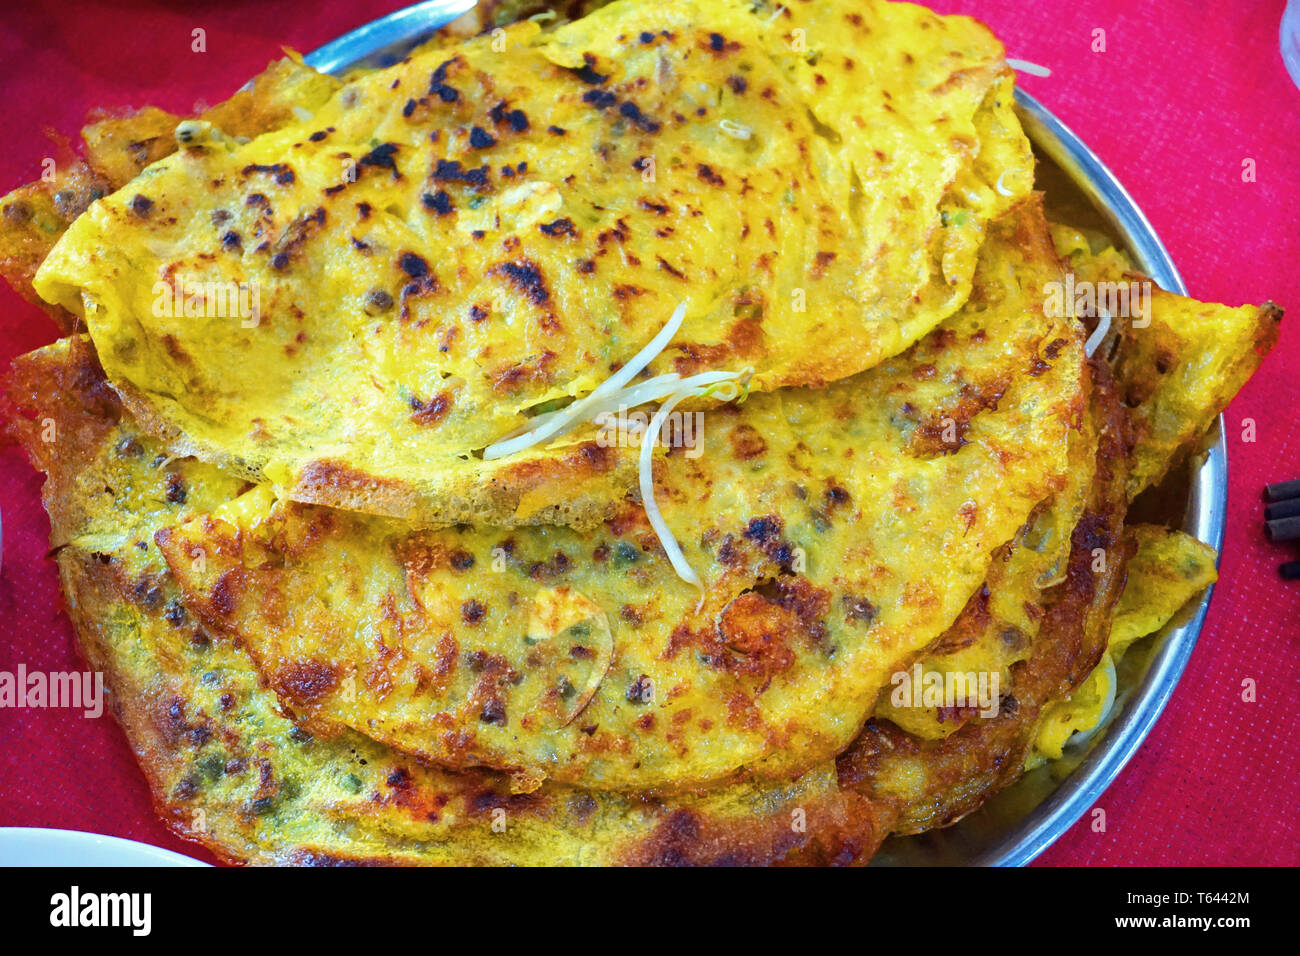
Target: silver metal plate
(1022,821)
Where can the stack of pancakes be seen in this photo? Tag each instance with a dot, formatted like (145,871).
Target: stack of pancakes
(344,618)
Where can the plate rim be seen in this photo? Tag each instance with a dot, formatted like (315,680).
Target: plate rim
(68,845)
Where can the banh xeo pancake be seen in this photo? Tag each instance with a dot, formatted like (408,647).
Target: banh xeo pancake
(919,783)
(477,232)
(118,147)
(1167,569)
(228,769)
(213,741)
(923,474)
(583,657)
(999,624)
(1179,364)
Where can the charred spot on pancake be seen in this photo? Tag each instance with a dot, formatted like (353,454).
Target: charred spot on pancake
(633,113)
(479,138)
(587,72)
(764,530)
(707,174)
(473,611)
(174,614)
(177,491)
(601,99)
(526,277)
(556,566)
(307,680)
(449,170)
(432,411)
(515,119)
(413,265)
(944,431)
(280,172)
(438,83)
(717,43)
(438,202)
(382,157)
(378,301)
(560,227)
(835,496)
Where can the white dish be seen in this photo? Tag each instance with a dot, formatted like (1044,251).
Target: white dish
(39,846)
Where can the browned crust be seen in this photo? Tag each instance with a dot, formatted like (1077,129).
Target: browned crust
(90,589)
(158,715)
(33,217)
(968,767)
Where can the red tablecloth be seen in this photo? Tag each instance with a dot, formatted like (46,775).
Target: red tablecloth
(1183,93)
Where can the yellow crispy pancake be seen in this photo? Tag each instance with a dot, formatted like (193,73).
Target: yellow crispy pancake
(118,147)
(810,515)
(999,624)
(919,783)
(1179,365)
(448,244)
(229,770)
(1167,569)
(308,685)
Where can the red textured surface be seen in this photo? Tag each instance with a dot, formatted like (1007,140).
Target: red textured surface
(1182,94)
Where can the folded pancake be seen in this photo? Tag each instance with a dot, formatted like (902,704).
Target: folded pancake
(356,305)
(924,783)
(812,516)
(1178,361)
(1000,623)
(229,770)
(118,146)
(1168,568)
